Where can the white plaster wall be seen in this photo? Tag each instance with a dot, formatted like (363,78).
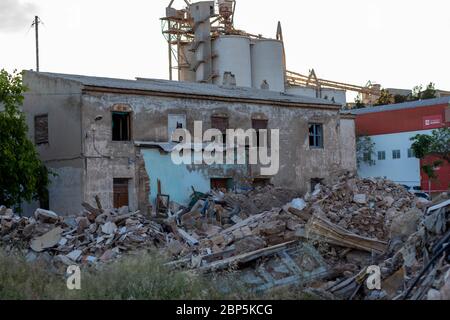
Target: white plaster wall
(404,170)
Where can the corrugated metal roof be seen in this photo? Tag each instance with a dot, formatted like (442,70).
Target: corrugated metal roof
(190,88)
(401,106)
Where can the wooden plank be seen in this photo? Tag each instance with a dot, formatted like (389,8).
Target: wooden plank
(244,223)
(91,209)
(187,237)
(99,204)
(287,260)
(320,228)
(246,257)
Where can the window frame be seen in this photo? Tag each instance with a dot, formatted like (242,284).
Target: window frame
(129,131)
(318,137)
(221,119)
(394,152)
(383,158)
(257,125)
(42,141)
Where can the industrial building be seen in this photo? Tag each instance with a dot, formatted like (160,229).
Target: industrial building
(391,127)
(204,46)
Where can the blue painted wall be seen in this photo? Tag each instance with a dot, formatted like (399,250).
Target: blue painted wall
(177,180)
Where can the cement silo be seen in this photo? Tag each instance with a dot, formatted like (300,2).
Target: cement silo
(232,54)
(267,57)
(185,60)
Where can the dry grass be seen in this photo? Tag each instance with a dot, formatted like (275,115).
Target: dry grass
(137,277)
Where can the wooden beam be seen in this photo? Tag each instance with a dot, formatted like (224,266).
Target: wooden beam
(245,257)
(318,227)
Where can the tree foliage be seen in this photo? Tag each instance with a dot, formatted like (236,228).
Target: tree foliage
(419,94)
(436,144)
(365,151)
(22,174)
(359,103)
(385,98)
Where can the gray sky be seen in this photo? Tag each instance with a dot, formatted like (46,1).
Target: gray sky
(398,43)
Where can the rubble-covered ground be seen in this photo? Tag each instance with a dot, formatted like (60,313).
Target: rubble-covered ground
(324,244)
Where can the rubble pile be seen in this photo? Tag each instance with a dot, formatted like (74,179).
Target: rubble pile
(327,242)
(97,235)
(258,231)
(363,206)
(260,199)
(339,231)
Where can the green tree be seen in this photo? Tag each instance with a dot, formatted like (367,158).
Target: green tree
(22,174)
(385,98)
(429,92)
(365,151)
(436,144)
(398,98)
(358,103)
(419,94)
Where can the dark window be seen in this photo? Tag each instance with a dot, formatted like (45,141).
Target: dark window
(259,125)
(121,130)
(367,156)
(41,129)
(221,183)
(221,124)
(261,182)
(120,191)
(396,154)
(381,155)
(411,153)
(316,135)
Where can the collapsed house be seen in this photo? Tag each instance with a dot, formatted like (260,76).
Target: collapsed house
(112,138)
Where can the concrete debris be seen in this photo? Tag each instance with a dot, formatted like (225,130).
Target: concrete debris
(74,255)
(109,228)
(45,215)
(78,240)
(325,241)
(48,240)
(360,198)
(405,223)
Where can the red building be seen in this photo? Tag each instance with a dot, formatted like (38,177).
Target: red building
(391,128)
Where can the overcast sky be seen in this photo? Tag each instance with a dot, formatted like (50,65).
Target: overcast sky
(398,43)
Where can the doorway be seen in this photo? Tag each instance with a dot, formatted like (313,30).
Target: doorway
(120,191)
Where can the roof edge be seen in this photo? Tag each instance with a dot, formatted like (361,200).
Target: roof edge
(102,89)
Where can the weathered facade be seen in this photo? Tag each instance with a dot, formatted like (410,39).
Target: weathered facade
(110,137)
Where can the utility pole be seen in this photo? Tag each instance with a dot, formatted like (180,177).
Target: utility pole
(36,28)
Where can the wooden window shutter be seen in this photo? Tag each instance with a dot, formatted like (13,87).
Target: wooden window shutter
(259,124)
(41,129)
(220,123)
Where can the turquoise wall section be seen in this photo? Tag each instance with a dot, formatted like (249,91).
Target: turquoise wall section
(178,180)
